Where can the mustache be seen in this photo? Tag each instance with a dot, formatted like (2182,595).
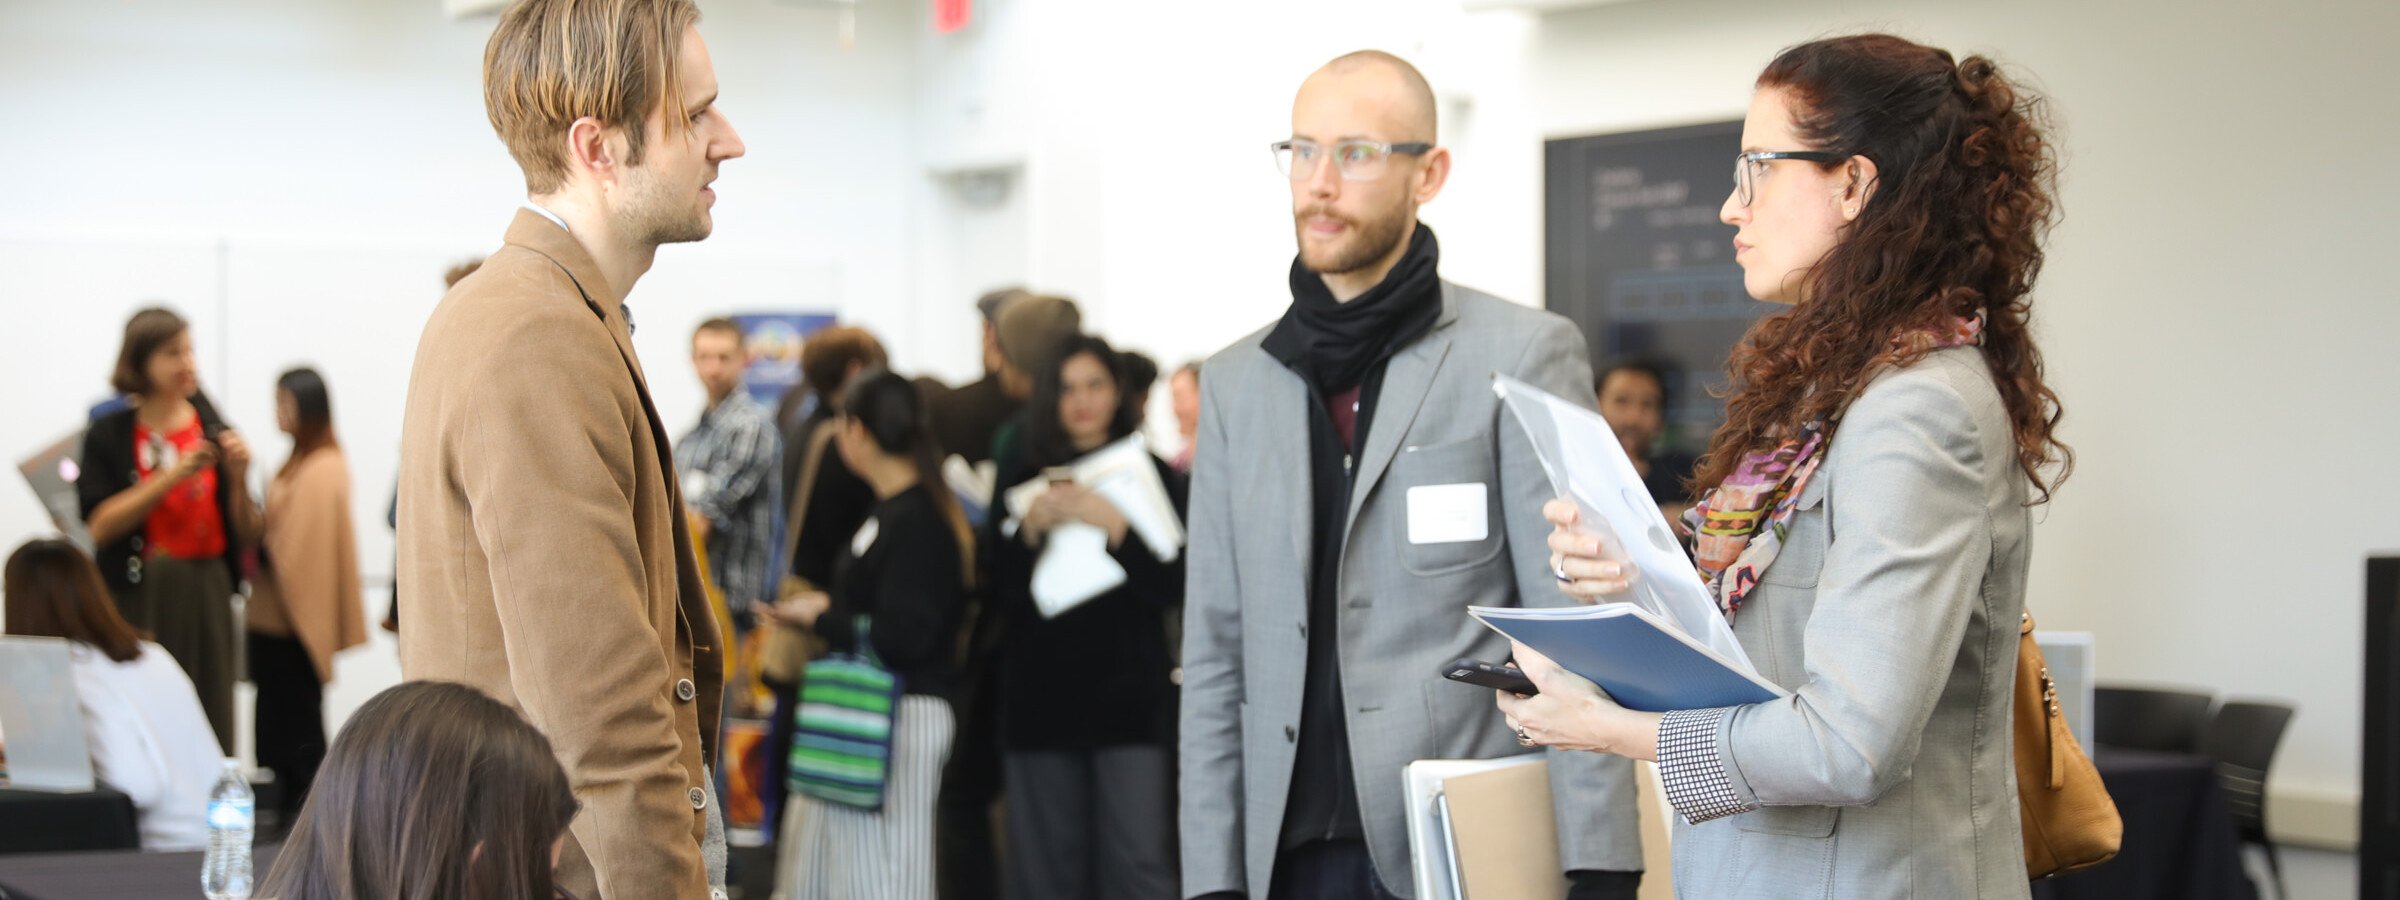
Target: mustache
(1314,211)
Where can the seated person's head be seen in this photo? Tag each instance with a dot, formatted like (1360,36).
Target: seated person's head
(430,790)
(53,590)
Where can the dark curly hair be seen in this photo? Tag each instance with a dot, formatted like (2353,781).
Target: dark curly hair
(1954,224)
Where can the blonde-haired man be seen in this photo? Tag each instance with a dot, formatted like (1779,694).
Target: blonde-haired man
(544,557)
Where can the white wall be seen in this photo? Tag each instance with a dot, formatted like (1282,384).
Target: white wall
(1143,129)
(294,176)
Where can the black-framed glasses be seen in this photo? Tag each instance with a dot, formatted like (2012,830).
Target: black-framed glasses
(1748,166)
(1357,160)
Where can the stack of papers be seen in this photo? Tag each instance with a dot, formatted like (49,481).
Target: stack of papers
(1075,566)
(1586,465)
(971,484)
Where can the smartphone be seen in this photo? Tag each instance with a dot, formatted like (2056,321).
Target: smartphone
(1468,670)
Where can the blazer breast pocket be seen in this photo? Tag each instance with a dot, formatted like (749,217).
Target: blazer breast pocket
(1802,556)
(1450,499)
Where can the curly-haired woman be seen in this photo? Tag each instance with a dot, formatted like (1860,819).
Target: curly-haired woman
(1867,501)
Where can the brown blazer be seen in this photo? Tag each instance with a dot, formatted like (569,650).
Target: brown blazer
(544,557)
(307,585)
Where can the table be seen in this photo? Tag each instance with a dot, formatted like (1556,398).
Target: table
(50,822)
(2181,842)
(112,875)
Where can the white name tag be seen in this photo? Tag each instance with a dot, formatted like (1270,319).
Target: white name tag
(865,538)
(1447,514)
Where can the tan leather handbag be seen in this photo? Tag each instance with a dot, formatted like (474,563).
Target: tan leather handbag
(2070,821)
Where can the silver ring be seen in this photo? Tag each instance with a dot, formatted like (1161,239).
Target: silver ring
(1559,569)
(1523,738)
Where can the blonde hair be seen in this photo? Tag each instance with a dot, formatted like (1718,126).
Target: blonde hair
(551,62)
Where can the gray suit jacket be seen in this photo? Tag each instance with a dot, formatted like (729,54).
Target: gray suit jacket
(1891,613)
(1403,605)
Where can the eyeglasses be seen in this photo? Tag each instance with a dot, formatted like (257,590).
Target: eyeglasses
(1748,166)
(1357,160)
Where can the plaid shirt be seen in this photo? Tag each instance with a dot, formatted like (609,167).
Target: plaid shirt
(730,465)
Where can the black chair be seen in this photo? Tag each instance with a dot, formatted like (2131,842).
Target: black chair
(2147,719)
(2242,739)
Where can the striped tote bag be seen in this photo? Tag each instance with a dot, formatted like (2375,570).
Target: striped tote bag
(842,734)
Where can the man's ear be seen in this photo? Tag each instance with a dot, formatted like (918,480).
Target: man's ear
(1434,174)
(593,148)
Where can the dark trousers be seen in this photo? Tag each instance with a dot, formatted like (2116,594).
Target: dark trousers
(777,791)
(1327,870)
(966,851)
(289,722)
(1093,824)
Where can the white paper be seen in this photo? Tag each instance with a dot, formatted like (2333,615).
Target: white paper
(1074,568)
(1448,513)
(971,484)
(1587,465)
(1075,565)
(1123,473)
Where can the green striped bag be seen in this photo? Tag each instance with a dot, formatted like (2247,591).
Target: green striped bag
(842,734)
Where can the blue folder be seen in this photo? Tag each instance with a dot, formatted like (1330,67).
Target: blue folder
(1639,661)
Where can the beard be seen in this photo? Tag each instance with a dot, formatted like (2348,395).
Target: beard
(1367,241)
(656,213)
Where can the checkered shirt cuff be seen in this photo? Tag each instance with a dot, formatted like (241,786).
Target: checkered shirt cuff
(1690,768)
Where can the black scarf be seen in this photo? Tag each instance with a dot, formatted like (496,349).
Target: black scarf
(1334,344)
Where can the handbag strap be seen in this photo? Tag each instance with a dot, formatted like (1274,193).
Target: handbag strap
(859,625)
(2051,715)
(818,442)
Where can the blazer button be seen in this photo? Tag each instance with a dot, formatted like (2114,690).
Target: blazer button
(699,799)
(684,690)
(1290,734)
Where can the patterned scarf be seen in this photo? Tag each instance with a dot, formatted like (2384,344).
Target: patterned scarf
(1740,526)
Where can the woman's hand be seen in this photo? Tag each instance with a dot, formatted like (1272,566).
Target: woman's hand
(1571,713)
(1575,557)
(1086,506)
(202,456)
(1066,502)
(800,609)
(1045,514)
(236,452)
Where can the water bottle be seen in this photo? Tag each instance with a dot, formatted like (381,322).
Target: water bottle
(232,815)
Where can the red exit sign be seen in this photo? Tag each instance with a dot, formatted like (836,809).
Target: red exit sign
(951,15)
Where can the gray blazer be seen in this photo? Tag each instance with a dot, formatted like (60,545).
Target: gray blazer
(1892,614)
(1404,605)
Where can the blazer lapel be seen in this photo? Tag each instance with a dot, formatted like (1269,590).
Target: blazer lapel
(1406,381)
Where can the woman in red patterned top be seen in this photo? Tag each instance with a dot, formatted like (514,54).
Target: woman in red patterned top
(164,491)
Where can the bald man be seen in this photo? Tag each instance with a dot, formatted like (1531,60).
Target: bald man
(1314,631)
